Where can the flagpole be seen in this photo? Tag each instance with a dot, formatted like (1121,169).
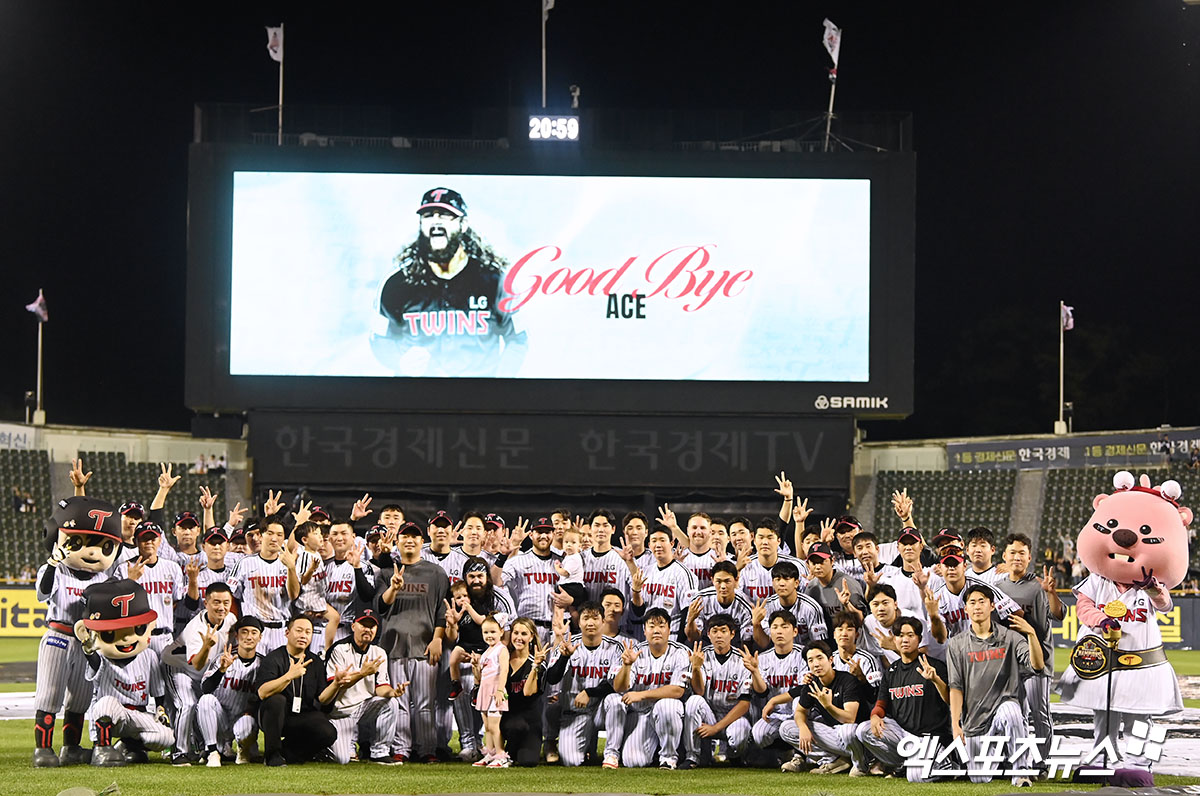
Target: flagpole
(39,415)
(1060,427)
(829,113)
(279,132)
(544,15)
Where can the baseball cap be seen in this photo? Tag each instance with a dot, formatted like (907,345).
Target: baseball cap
(367,617)
(376,532)
(946,535)
(185,517)
(411,529)
(86,515)
(820,550)
(542,524)
(115,604)
(493,519)
(908,536)
(847,523)
(247,621)
(441,518)
(953,558)
(215,535)
(146,527)
(252,525)
(443,199)
(317,511)
(132,507)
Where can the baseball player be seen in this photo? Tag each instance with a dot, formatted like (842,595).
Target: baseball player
(908,591)
(848,657)
(829,705)
(951,611)
(722,597)
(162,580)
(474,536)
(756,577)
(440,549)
(877,636)
(413,620)
(772,673)
(697,554)
(651,678)
(187,536)
(310,566)
(986,666)
(131,513)
(981,549)
(666,584)
(83,538)
(717,709)
(531,578)
(365,712)
(582,664)
(603,566)
(635,528)
(266,583)
(811,620)
(124,670)
(826,583)
(224,711)
(199,578)
(349,580)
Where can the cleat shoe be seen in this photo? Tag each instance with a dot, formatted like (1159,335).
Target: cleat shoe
(214,759)
(796,765)
(666,764)
(688,765)
(837,766)
(74,756)
(107,757)
(611,761)
(385,761)
(44,757)
(858,772)
(469,755)
(276,760)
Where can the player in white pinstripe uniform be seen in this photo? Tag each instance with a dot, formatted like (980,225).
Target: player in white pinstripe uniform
(583,665)
(124,669)
(349,578)
(82,536)
(666,584)
(162,580)
(216,549)
(132,513)
(223,712)
(722,597)
(366,711)
(848,657)
(755,579)
(187,536)
(603,565)
(717,709)
(266,584)
(811,620)
(531,578)
(440,549)
(651,678)
(772,673)
(635,528)
(697,555)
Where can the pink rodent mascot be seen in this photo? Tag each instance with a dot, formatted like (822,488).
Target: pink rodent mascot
(1135,545)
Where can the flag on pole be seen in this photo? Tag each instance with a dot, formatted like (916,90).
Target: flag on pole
(38,308)
(1068,318)
(546,6)
(833,41)
(275,44)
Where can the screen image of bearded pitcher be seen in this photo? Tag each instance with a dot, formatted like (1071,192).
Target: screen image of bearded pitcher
(441,307)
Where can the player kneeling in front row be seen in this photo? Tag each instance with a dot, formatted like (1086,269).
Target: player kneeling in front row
(829,705)
(366,711)
(651,678)
(721,683)
(125,673)
(223,710)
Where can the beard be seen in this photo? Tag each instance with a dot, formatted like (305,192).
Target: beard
(441,255)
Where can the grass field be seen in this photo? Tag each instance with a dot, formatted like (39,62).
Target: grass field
(16,650)
(157,779)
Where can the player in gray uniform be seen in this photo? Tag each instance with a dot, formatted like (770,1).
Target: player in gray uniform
(1039,603)
(224,711)
(772,673)
(266,583)
(583,664)
(82,537)
(986,665)
(124,669)
(811,620)
(666,584)
(530,578)
(366,711)
(717,710)
(651,678)
(413,623)
(722,597)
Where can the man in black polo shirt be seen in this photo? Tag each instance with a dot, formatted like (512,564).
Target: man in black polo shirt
(913,700)
(829,706)
(296,699)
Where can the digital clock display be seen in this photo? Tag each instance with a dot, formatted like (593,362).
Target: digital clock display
(553,128)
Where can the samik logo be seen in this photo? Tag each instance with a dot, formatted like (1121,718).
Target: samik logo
(851,402)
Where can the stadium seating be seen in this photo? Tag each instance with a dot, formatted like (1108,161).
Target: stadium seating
(20,531)
(959,499)
(118,480)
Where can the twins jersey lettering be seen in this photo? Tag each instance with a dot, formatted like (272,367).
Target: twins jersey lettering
(673,667)
(131,682)
(605,570)
(671,588)
(810,618)
(341,590)
(726,679)
(530,579)
(312,594)
(236,686)
(781,673)
(64,601)
(586,668)
(700,565)
(165,585)
(740,609)
(262,588)
(755,579)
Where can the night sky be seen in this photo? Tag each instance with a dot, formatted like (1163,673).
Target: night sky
(1057,157)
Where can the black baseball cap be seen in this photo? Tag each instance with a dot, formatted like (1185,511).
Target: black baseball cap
(411,529)
(317,511)
(493,519)
(820,550)
(443,199)
(247,621)
(186,516)
(146,527)
(367,616)
(542,524)
(376,531)
(115,604)
(952,557)
(441,518)
(908,536)
(947,535)
(215,535)
(238,533)
(847,523)
(134,508)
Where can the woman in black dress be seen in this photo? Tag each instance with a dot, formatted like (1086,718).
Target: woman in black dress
(521,726)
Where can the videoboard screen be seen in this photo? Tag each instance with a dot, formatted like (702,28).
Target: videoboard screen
(552,277)
(513,281)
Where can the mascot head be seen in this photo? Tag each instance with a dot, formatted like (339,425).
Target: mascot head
(1136,532)
(118,620)
(86,531)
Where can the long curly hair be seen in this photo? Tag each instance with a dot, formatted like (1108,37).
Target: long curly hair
(412,259)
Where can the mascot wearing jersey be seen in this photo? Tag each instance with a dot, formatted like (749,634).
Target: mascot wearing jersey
(1136,548)
(82,537)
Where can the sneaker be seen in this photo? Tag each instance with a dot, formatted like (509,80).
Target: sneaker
(483,761)
(878,770)
(276,760)
(858,772)
(838,766)
(796,765)
(552,756)
(181,759)
(500,761)
(385,761)
(667,764)
(469,755)
(399,758)
(1022,782)
(214,759)
(688,765)
(611,761)
(455,690)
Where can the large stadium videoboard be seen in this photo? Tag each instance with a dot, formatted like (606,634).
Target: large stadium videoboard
(526,281)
